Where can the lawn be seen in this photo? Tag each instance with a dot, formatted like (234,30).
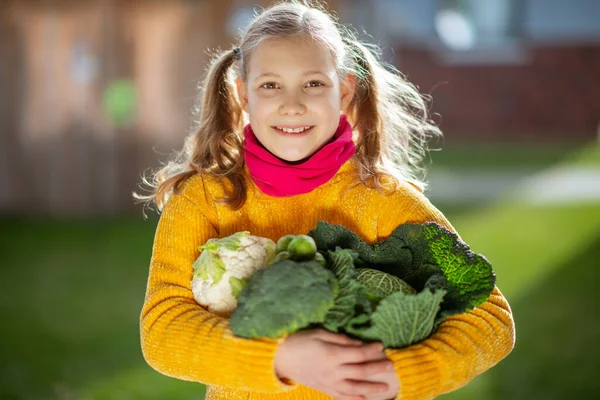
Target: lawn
(71,293)
(546,261)
(507,155)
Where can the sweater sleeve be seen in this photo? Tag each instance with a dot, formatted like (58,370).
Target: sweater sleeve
(464,345)
(181,339)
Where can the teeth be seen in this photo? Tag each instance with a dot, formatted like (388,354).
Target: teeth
(295,130)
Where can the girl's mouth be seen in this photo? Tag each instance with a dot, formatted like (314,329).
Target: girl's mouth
(300,131)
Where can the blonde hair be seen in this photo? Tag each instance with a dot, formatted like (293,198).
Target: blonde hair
(388,113)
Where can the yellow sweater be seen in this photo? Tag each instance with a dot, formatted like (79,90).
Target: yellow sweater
(181,339)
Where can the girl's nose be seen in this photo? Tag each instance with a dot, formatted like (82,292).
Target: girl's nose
(291,106)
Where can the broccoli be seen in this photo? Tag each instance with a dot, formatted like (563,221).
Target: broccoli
(284,298)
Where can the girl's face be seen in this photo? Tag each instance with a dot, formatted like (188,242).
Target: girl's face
(294,96)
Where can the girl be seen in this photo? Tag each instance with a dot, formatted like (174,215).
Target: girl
(333,136)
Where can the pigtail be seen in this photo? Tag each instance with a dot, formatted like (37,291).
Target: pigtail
(215,146)
(364,110)
(220,119)
(392,120)
(219,140)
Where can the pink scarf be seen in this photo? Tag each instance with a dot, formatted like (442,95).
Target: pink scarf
(278,178)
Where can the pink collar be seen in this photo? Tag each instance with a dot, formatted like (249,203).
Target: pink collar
(278,178)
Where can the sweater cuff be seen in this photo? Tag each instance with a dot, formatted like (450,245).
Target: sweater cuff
(259,363)
(418,372)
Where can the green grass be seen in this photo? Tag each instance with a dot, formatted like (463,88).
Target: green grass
(546,261)
(532,156)
(71,293)
(556,356)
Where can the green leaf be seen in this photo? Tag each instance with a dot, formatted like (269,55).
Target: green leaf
(343,309)
(400,319)
(271,252)
(350,300)
(209,266)
(231,242)
(211,245)
(382,283)
(469,276)
(237,285)
(328,237)
(351,297)
(341,263)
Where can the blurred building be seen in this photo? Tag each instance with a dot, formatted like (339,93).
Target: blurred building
(497,69)
(89,87)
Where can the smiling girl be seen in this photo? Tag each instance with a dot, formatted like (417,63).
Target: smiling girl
(301,123)
(293,96)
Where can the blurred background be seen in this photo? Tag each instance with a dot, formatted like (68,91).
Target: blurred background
(93,93)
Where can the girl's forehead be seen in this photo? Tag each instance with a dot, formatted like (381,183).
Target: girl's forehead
(290,54)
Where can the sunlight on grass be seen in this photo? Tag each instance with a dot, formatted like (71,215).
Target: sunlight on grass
(588,155)
(502,155)
(526,244)
(525,241)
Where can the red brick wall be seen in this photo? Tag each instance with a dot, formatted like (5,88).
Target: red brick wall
(555,95)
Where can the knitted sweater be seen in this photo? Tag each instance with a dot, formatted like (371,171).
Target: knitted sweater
(181,339)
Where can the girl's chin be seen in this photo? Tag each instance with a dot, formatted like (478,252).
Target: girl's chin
(293,160)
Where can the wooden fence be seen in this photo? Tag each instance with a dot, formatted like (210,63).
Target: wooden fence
(89,89)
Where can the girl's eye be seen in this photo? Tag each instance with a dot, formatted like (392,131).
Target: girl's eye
(269,85)
(314,84)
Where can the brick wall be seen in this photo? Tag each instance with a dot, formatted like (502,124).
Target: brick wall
(555,95)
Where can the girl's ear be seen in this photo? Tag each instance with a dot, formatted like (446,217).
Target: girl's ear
(347,90)
(242,92)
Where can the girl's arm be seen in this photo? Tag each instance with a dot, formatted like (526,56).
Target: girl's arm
(181,339)
(465,345)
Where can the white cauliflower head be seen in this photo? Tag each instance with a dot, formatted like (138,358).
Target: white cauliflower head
(224,266)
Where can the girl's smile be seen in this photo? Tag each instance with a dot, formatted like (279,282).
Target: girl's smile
(294,131)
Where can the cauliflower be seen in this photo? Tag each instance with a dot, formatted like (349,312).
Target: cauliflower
(224,266)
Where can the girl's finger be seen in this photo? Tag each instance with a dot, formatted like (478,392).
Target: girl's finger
(365,370)
(361,354)
(336,338)
(341,396)
(362,388)
(346,397)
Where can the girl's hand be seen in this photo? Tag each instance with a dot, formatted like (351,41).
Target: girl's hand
(391,378)
(334,364)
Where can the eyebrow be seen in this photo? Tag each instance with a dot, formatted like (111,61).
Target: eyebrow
(272,74)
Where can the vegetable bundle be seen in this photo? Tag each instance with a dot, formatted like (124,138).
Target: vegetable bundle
(396,291)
